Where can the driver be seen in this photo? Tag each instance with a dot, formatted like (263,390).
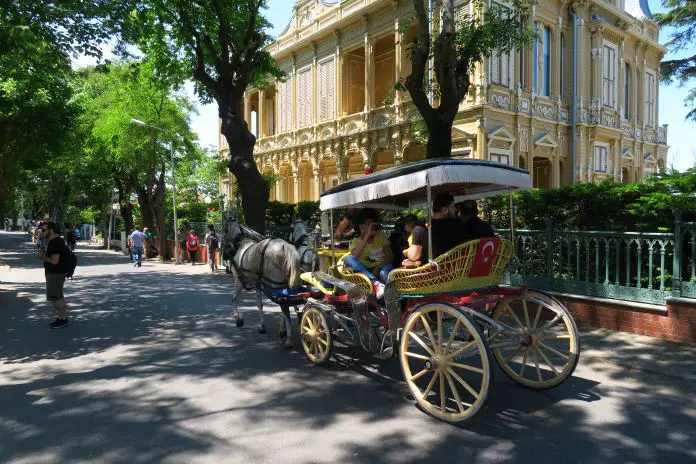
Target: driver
(370,254)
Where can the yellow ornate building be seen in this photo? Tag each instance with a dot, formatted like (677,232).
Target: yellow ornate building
(337,114)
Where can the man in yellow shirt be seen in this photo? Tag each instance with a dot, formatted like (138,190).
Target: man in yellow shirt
(370,253)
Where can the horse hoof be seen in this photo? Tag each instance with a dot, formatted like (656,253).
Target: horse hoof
(240,322)
(262,329)
(228,271)
(283,334)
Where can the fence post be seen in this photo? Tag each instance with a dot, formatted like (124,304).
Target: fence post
(676,264)
(549,247)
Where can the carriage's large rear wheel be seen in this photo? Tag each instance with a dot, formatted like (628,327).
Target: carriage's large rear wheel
(540,346)
(446,362)
(316,336)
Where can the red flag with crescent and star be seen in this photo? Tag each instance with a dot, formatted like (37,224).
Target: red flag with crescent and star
(485,255)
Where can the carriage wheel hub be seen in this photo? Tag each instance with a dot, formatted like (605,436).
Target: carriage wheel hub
(530,341)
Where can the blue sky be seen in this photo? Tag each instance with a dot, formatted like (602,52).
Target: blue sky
(682,152)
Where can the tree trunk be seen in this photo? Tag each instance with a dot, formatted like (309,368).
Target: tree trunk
(127,215)
(439,138)
(253,187)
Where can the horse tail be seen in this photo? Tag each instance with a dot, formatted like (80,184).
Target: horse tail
(293,266)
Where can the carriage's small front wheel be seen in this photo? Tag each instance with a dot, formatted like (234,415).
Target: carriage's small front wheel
(540,345)
(316,336)
(446,362)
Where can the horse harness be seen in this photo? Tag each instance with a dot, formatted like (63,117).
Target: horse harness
(260,278)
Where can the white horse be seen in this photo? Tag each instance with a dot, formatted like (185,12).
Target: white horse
(259,263)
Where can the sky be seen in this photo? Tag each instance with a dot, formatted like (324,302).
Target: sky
(682,143)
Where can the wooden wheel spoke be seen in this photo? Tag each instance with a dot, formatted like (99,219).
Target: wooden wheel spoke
(452,335)
(439,332)
(556,337)
(416,356)
(553,350)
(526,314)
(478,370)
(418,375)
(426,326)
(455,393)
(546,360)
(422,343)
(430,386)
(505,344)
(536,365)
(443,393)
(464,383)
(524,362)
(514,316)
(461,350)
(309,321)
(549,324)
(538,315)
(324,342)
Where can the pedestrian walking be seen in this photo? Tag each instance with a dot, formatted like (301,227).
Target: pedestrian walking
(136,241)
(212,243)
(146,242)
(54,258)
(192,245)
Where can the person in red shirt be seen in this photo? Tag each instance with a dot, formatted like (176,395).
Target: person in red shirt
(192,245)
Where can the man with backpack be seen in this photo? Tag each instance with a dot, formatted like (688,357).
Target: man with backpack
(59,263)
(212,242)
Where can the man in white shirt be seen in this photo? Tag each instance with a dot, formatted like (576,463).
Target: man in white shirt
(136,240)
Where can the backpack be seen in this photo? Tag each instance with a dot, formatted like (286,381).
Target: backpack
(193,242)
(70,262)
(214,241)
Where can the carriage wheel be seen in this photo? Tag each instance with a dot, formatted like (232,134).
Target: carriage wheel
(317,339)
(446,362)
(540,346)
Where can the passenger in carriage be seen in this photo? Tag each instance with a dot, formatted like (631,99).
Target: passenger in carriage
(447,229)
(347,227)
(474,227)
(370,254)
(417,251)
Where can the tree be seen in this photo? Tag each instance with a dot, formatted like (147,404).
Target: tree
(681,16)
(454,51)
(220,45)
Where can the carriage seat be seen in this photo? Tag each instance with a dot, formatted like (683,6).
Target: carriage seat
(471,265)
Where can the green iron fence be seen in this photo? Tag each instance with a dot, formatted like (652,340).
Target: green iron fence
(636,266)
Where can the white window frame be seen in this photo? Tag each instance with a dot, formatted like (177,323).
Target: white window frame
(628,83)
(650,118)
(285,105)
(597,160)
(546,70)
(500,156)
(330,97)
(304,108)
(609,81)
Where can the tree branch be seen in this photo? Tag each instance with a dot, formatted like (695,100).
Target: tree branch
(419,57)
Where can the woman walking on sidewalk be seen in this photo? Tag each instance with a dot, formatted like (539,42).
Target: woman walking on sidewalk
(192,245)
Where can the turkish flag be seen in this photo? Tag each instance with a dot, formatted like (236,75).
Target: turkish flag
(485,255)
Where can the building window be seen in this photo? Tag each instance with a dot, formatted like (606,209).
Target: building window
(609,75)
(542,61)
(286,106)
(627,92)
(502,158)
(500,61)
(327,90)
(304,98)
(601,158)
(650,98)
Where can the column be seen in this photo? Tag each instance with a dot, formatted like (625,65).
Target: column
(596,67)
(368,71)
(293,100)
(338,68)
(296,184)
(635,85)
(316,184)
(657,99)
(261,124)
(556,56)
(640,88)
(247,116)
(398,57)
(621,77)
(315,87)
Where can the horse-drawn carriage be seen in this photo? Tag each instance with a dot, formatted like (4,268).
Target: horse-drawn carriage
(448,319)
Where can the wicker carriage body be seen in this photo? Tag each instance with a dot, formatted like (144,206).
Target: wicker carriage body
(452,271)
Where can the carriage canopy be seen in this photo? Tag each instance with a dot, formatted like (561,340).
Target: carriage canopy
(405,186)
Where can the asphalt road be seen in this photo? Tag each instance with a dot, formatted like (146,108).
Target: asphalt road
(155,370)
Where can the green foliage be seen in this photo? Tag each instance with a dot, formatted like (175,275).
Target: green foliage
(681,69)
(647,206)
(279,213)
(308,211)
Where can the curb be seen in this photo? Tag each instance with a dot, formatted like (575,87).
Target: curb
(4,267)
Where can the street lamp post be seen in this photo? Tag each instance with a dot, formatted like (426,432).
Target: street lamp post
(176,225)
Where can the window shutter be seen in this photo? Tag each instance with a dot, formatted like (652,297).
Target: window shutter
(327,94)
(495,68)
(504,69)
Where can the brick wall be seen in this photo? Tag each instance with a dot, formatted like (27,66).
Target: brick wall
(676,321)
